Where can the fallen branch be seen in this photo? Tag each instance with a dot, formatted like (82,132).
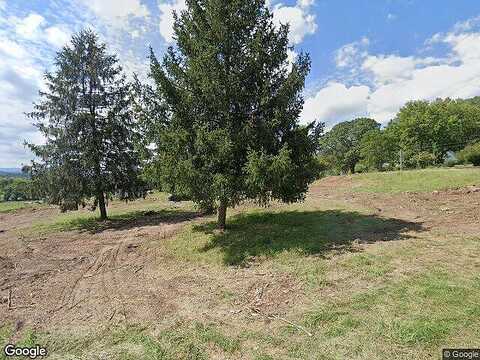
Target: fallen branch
(292,324)
(113,314)
(276,317)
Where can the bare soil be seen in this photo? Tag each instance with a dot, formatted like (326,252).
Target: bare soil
(80,279)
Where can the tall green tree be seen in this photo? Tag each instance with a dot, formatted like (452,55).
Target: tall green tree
(342,143)
(436,127)
(378,148)
(231,128)
(86,117)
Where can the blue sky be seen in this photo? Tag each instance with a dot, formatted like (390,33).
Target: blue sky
(368,56)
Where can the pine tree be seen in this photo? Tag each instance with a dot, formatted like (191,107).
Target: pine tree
(231,128)
(86,117)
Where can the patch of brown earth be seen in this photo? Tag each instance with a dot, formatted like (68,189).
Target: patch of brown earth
(455,211)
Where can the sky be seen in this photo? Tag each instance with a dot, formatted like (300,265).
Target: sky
(369,57)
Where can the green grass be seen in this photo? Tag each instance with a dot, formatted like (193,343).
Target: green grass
(416,180)
(179,341)
(366,286)
(263,235)
(88,222)
(121,215)
(10,206)
(412,318)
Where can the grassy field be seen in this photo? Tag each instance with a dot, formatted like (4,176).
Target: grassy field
(417,180)
(9,206)
(337,280)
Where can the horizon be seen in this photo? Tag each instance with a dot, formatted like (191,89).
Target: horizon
(367,60)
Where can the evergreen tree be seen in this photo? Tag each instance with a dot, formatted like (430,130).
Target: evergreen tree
(86,116)
(231,128)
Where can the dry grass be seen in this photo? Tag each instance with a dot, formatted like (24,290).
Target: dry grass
(366,283)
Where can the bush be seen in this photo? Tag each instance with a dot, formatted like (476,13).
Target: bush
(470,154)
(423,159)
(361,168)
(18,190)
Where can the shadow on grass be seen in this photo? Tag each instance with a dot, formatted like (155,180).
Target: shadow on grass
(127,221)
(309,232)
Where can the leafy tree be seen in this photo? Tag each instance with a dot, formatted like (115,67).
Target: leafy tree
(470,154)
(343,141)
(377,148)
(86,116)
(230,130)
(435,127)
(19,189)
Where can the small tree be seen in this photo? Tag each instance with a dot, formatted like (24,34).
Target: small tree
(342,142)
(85,115)
(232,130)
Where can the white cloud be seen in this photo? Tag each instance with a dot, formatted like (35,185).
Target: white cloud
(11,48)
(392,68)
(349,54)
(393,80)
(335,102)
(116,11)
(166,17)
(57,37)
(299,17)
(29,27)
(20,79)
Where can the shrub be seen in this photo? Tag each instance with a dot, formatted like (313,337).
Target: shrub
(451,162)
(471,154)
(423,159)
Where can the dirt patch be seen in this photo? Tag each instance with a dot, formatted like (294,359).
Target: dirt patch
(77,279)
(452,211)
(124,274)
(74,278)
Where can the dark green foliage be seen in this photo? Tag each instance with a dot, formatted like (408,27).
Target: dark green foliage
(423,159)
(378,150)
(86,117)
(470,154)
(17,189)
(228,129)
(434,128)
(343,143)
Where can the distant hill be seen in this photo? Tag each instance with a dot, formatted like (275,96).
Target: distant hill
(11,172)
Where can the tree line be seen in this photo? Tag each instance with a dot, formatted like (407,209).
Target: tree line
(217,120)
(423,133)
(17,189)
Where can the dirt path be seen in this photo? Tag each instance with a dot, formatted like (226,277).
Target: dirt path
(75,279)
(78,279)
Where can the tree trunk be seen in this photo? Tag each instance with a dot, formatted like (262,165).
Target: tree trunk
(101,206)
(222,214)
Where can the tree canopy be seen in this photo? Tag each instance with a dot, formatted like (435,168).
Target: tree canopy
(86,117)
(342,143)
(231,102)
(435,128)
